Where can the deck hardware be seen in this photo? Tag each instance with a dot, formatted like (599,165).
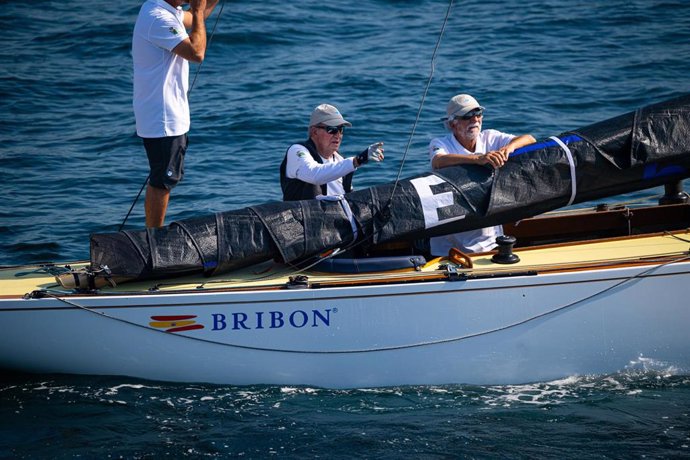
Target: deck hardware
(453,274)
(505,250)
(417,262)
(460,258)
(37,294)
(674,194)
(298,282)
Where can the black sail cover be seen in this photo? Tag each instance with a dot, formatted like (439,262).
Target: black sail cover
(635,151)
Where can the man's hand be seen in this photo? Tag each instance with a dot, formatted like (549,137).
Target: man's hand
(197,5)
(373,152)
(495,158)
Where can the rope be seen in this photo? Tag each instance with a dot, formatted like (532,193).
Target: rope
(48,269)
(134,203)
(390,348)
(294,269)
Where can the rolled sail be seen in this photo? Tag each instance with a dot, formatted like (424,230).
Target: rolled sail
(635,151)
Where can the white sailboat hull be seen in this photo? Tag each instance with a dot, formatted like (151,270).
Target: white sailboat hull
(500,330)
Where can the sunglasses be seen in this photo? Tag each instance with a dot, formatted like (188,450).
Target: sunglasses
(472,114)
(332,129)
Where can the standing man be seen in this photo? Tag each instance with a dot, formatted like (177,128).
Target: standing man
(161,51)
(315,167)
(468,144)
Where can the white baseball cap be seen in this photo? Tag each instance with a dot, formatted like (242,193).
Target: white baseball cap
(460,105)
(326,114)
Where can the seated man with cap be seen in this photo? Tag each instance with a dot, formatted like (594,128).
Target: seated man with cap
(468,144)
(315,167)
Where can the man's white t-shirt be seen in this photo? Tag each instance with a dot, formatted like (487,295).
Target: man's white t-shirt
(482,239)
(161,77)
(300,165)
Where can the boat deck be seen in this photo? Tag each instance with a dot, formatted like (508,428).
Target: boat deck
(666,247)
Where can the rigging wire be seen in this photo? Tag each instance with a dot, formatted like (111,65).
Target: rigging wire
(134,203)
(208,45)
(308,263)
(196,75)
(421,104)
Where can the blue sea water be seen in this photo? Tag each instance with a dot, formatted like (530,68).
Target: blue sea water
(70,165)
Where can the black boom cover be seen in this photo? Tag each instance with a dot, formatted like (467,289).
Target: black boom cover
(635,151)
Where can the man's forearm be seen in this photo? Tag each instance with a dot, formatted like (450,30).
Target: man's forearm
(520,141)
(198,34)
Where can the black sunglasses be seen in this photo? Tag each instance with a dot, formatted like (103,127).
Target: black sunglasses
(332,129)
(472,114)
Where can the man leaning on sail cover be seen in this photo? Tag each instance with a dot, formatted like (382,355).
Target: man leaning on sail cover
(468,144)
(314,167)
(161,51)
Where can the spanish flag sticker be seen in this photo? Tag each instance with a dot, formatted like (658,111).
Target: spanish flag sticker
(178,323)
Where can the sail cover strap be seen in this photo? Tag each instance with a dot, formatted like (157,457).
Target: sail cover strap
(573,176)
(346,209)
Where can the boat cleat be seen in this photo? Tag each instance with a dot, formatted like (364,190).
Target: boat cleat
(298,282)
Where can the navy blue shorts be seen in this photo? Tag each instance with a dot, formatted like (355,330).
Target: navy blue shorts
(166,160)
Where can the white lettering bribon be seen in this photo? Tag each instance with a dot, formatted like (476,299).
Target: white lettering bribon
(431,202)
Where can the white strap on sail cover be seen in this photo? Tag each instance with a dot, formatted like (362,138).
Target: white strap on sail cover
(573,176)
(346,208)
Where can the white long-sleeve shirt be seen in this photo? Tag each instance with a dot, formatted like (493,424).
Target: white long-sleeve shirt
(300,165)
